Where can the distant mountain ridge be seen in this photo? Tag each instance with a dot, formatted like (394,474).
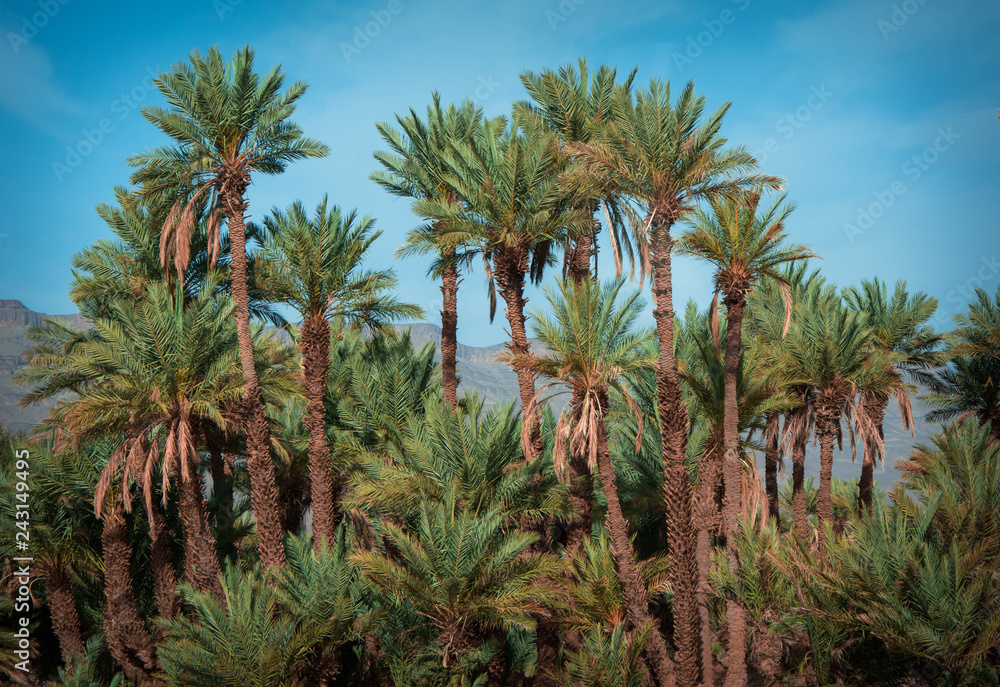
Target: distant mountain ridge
(15,318)
(477,369)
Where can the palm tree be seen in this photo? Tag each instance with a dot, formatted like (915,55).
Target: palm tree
(769,322)
(228,123)
(744,243)
(271,630)
(667,158)
(157,374)
(415,168)
(978,330)
(969,387)
(64,534)
(829,351)
(315,264)
(899,325)
(590,347)
(575,103)
(702,369)
(512,211)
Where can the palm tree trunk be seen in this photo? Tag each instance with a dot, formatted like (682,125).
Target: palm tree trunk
(449,329)
(263,487)
(201,558)
(636,603)
(62,609)
(825,430)
(510,270)
(578,267)
(168,604)
(874,407)
(315,346)
(796,420)
(129,640)
(736,665)
(222,490)
(771,468)
(677,480)
(707,518)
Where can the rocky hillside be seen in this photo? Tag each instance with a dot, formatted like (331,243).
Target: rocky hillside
(15,319)
(477,368)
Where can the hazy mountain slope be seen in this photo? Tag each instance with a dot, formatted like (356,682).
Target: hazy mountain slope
(477,369)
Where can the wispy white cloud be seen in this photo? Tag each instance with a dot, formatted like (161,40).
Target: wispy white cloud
(28,87)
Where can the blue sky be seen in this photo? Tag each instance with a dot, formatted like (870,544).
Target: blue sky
(881,115)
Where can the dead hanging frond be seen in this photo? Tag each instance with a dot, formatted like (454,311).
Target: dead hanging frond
(490,284)
(755,510)
(713,323)
(902,394)
(177,230)
(786,296)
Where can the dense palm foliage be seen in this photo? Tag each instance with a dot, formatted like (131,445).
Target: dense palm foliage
(210,502)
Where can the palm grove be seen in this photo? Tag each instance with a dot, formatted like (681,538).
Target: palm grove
(219,502)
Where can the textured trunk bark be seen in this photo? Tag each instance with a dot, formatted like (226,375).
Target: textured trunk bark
(825,429)
(222,489)
(636,603)
(168,604)
(510,269)
(578,268)
(547,646)
(201,559)
(875,409)
(677,481)
(263,488)
(704,556)
(707,521)
(129,640)
(801,515)
(315,364)
(62,609)
(736,665)
(581,489)
(771,468)
(449,330)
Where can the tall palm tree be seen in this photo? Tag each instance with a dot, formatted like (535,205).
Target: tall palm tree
(228,123)
(769,322)
(590,346)
(415,168)
(702,367)
(575,102)
(156,373)
(744,243)
(666,157)
(316,265)
(512,211)
(829,350)
(899,324)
